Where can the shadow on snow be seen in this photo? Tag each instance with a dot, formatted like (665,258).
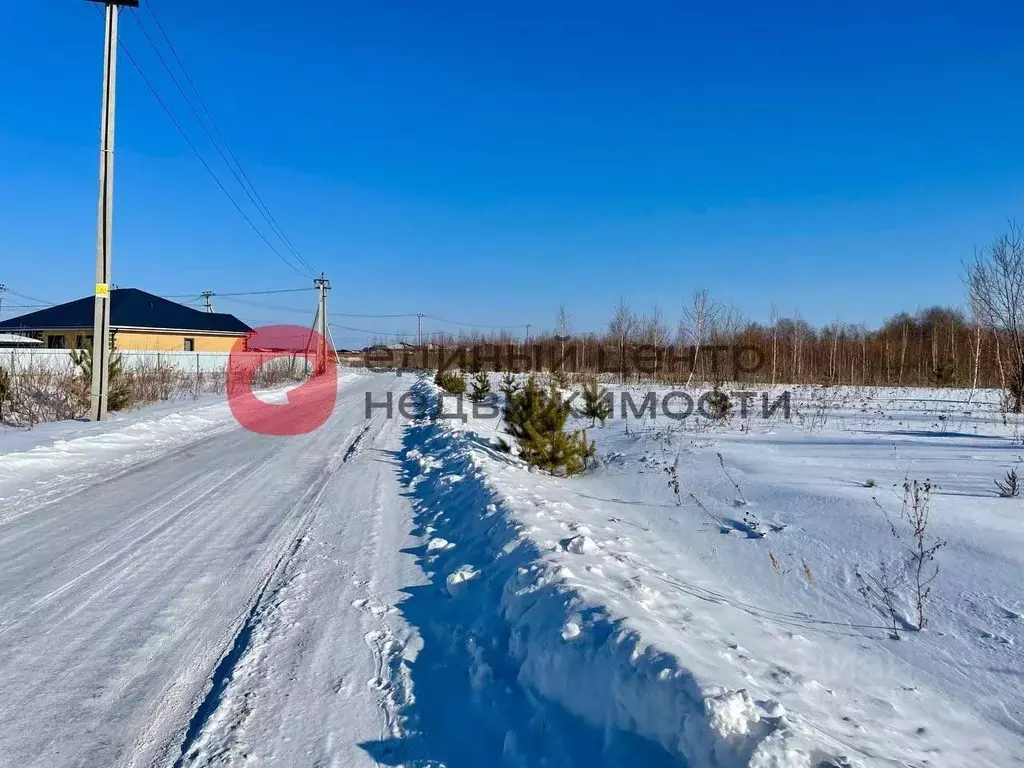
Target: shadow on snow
(468,708)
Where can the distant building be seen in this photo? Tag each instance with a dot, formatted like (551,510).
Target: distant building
(138,320)
(14,341)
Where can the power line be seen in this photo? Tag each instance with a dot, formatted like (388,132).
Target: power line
(352,314)
(372,333)
(267,293)
(431,316)
(201,159)
(29,298)
(227,146)
(241,293)
(474,325)
(264,305)
(245,184)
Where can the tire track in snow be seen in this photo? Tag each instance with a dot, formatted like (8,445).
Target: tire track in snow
(356,446)
(125,655)
(132,550)
(203,725)
(33,499)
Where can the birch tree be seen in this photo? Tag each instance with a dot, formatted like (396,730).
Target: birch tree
(995,289)
(699,317)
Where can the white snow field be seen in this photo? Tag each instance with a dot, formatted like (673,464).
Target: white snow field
(178,591)
(647,618)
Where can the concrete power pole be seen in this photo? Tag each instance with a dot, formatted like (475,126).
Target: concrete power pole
(105,217)
(206,296)
(419,329)
(323,285)
(3,290)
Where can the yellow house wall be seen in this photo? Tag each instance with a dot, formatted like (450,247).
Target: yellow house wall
(172,342)
(149,341)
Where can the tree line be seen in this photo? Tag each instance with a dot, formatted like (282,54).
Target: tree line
(933,347)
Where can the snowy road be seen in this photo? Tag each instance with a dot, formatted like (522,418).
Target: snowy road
(178,592)
(158,617)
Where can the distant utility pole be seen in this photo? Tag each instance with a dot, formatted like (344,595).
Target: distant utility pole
(528,325)
(105,216)
(3,290)
(206,296)
(419,329)
(323,285)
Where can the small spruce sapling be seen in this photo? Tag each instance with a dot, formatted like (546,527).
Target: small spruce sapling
(451,382)
(119,393)
(536,418)
(560,378)
(481,387)
(509,384)
(596,406)
(719,406)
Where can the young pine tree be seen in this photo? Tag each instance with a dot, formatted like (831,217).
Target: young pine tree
(509,385)
(719,406)
(451,382)
(560,378)
(119,394)
(536,418)
(595,406)
(481,387)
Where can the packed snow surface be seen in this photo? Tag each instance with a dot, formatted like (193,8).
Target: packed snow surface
(178,591)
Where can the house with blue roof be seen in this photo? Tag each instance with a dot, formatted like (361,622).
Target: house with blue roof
(138,321)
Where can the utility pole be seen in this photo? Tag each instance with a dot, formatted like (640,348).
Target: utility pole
(323,285)
(419,331)
(206,296)
(528,334)
(3,290)
(105,216)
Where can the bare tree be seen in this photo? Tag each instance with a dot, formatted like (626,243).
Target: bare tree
(995,288)
(563,327)
(621,329)
(775,343)
(655,333)
(562,330)
(698,319)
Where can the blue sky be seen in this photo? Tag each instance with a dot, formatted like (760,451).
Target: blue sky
(487,161)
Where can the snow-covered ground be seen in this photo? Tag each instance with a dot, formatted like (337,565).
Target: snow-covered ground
(667,619)
(177,591)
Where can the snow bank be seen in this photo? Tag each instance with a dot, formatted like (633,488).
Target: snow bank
(562,644)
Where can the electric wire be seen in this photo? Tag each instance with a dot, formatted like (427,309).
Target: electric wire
(227,146)
(199,156)
(240,293)
(475,325)
(239,175)
(26,297)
